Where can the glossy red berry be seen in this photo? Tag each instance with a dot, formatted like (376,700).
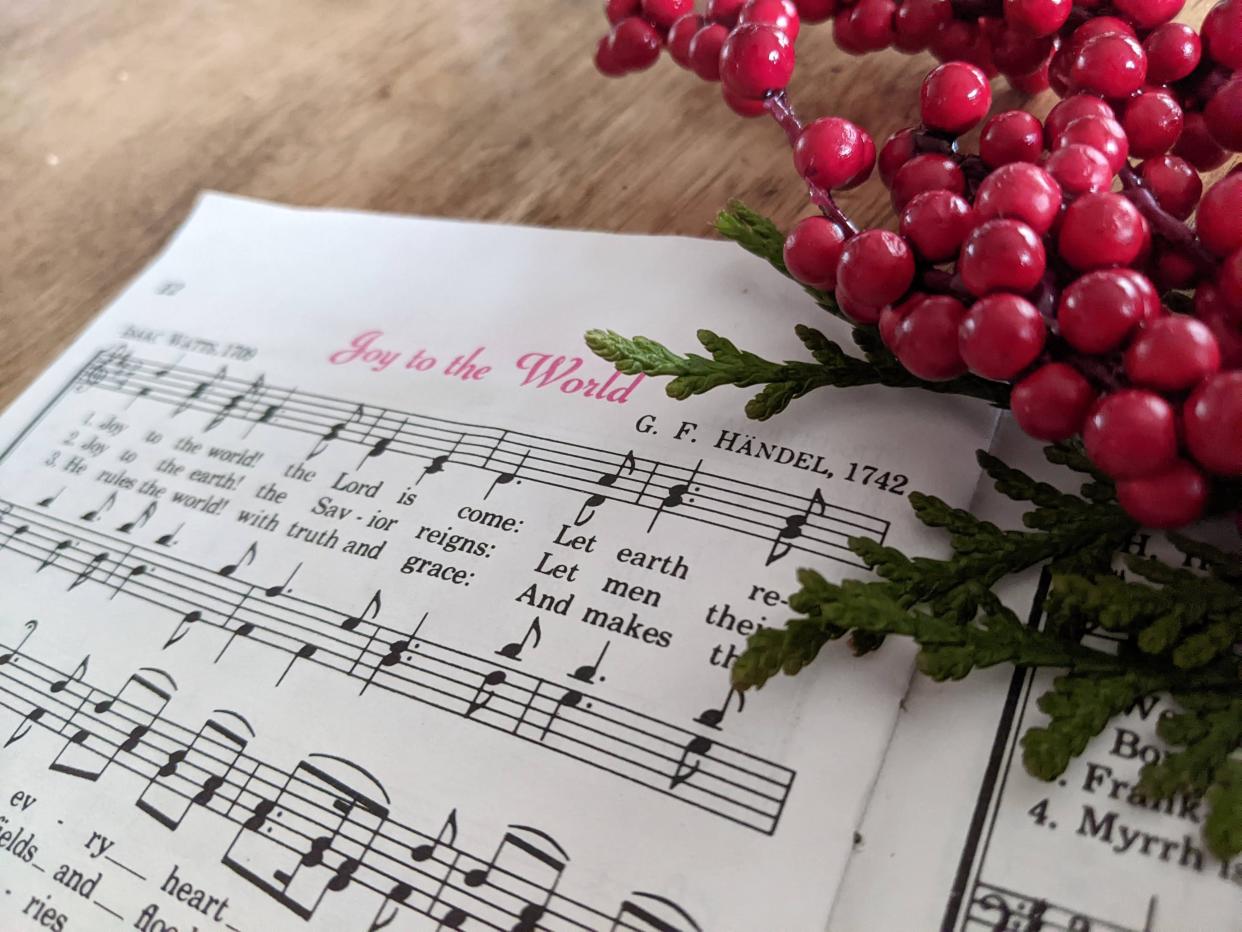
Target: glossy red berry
(635,44)
(898,150)
(1229,282)
(1020,191)
(1198,146)
(1110,65)
(1016,52)
(1222,34)
(926,173)
(724,12)
(834,154)
(1173,52)
(756,61)
(812,250)
(937,223)
(1174,183)
(1149,297)
(1099,26)
(1078,169)
(955,97)
(816,11)
(1108,136)
(1213,420)
(743,106)
(617,10)
(705,51)
(1034,83)
(1001,335)
(1002,255)
(876,268)
(680,36)
(926,338)
(1219,222)
(1052,402)
(857,311)
(1148,14)
(779,14)
(1038,17)
(1012,136)
(606,61)
(867,26)
(1098,311)
(1172,498)
(663,13)
(1099,230)
(1224,115)
(1131,433)
(1069,110)
(1172,354)
(1211,309)
(1153,122)
(917,21)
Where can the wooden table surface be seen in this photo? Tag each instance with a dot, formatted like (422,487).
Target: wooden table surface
(114,115)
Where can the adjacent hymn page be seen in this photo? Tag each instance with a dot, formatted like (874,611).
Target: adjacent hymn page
(980,845)
(343,589)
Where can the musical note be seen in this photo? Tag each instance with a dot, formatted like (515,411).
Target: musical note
(273,591)
(147,514)
(30,627)
(587,510)
(793,527)
(167,540)
(53,554)
(532,910)
(697,746)
(399,893)
(446,836)
(334,433)
(381,446)
(51,499)
(226,409)
(85,573)
(570,699)
(483,695)
(396,649)
(183,627)
(260,858)
(513,650)
(29,720)
(198,391)
(82,755)
(246,558)
(505,478)
(135,571)
(305,652)
(628,465)
(438,462)
(675,496)
(993,901)
(643,914)
(372,609)
(163,798)
(75,677)
(587,672)
(713,717)
(94,513)
(243,630)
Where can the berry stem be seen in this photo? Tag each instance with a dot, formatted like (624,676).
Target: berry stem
(786,118)
(1164,224)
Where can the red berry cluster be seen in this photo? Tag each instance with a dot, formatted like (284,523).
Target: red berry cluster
(1045,259)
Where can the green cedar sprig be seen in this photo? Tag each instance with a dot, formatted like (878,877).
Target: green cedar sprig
(1173,631)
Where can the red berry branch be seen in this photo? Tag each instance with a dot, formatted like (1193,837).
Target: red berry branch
(1058,258)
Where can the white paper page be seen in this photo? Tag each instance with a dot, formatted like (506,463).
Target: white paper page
(958,819)
(330,602)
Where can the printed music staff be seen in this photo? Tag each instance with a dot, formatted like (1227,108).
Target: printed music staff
(781,544)
(334,432)
(627,467)
(675,497)
(164,800)
(245,559)
(511,475)
(696,747)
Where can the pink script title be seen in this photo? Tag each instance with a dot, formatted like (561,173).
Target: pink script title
(568,374)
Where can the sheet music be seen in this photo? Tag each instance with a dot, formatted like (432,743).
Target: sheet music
(981,846)
(344,590)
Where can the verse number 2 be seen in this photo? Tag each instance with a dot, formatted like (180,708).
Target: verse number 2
(871,475)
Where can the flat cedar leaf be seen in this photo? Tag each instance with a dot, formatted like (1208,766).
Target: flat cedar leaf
(1224,565)
(1207,739)
(1017,485)
(1201,648)
(1078,709)
(1222,829)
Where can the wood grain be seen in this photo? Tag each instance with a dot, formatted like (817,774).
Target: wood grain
(113,116)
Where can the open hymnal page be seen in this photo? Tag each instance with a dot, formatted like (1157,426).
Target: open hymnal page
(958,836)
(342,589)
